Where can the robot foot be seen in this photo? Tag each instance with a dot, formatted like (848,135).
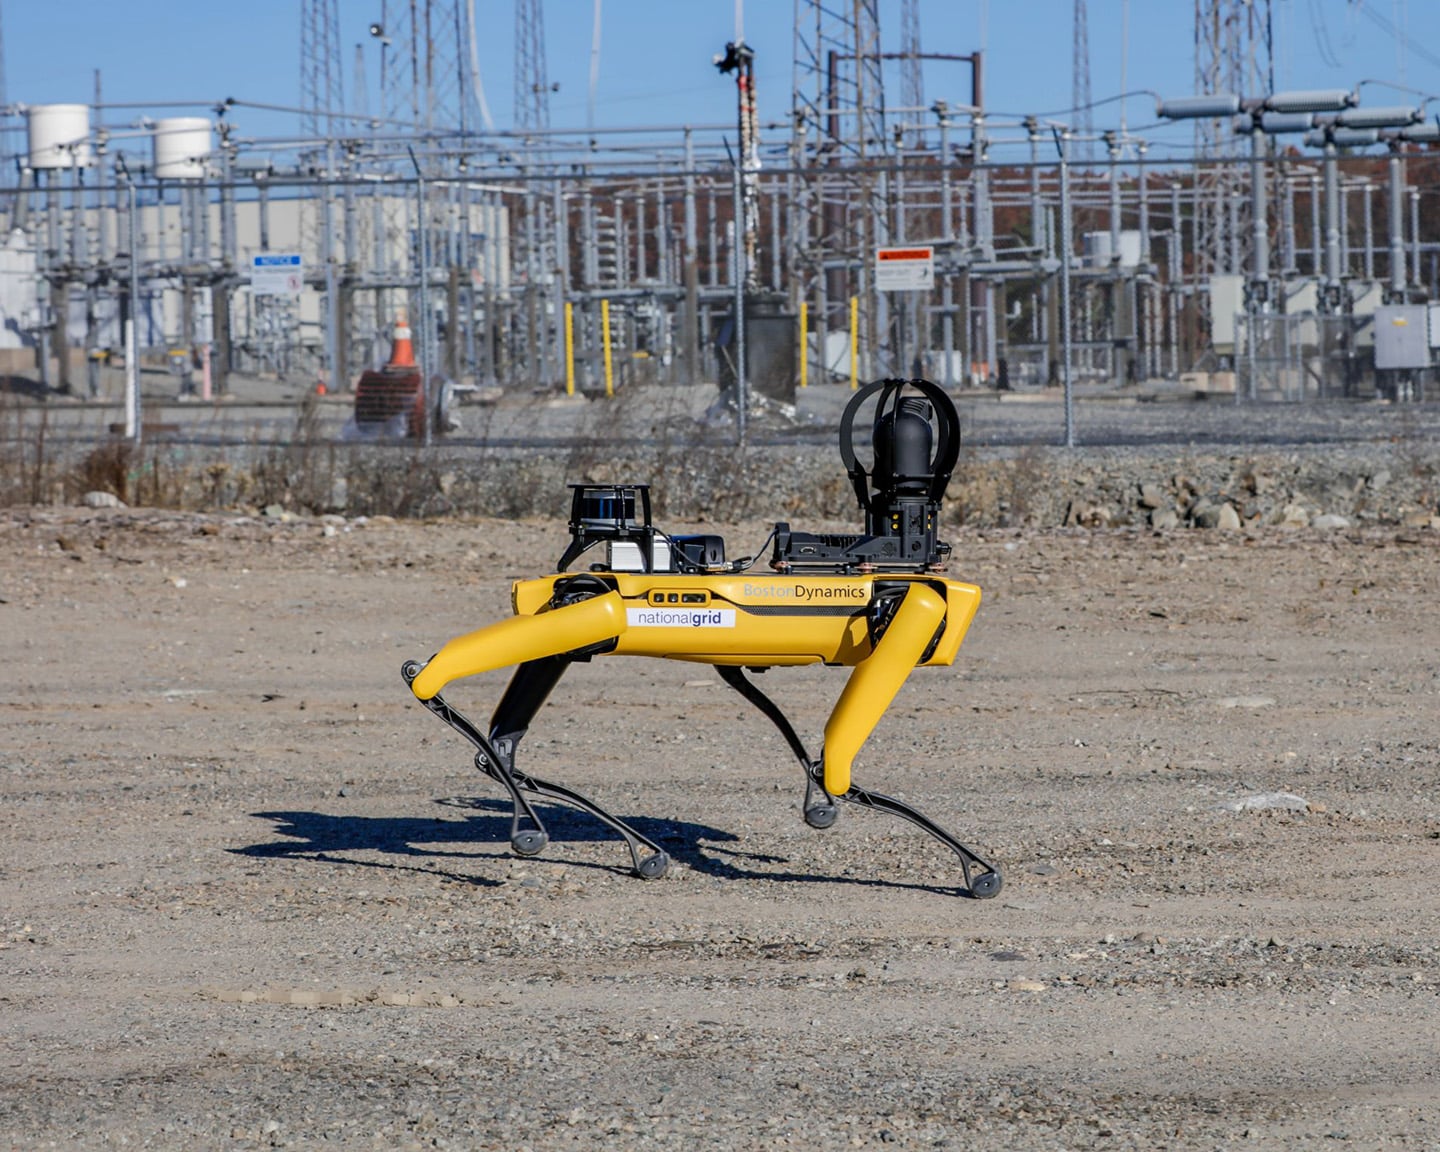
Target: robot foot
(820,808)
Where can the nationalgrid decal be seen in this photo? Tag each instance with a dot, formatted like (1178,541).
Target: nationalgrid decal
(680,617)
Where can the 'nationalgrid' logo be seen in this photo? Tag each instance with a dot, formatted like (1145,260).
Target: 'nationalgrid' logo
(680,617)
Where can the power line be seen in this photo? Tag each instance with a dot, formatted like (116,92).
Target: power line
(1387,25)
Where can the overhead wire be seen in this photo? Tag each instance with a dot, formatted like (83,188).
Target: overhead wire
(1385,24)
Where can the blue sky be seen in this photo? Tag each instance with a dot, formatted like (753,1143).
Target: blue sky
(655,56)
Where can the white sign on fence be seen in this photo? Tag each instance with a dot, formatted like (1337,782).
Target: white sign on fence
(904,269)
(277,274)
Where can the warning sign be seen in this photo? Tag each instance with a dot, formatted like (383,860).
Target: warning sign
(904,269)
(277,274)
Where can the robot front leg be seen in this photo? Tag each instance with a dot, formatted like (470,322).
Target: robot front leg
(982,887)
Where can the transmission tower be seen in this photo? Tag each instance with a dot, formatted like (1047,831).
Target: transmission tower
(532,81)
(1080,97)
(839,133)
(1233,53)
(428,76)
(322,85)
(912,74)
(8,137)
(12,139)
(839,88)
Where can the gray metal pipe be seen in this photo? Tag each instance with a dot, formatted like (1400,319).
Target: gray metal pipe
(1260,219)
(1289,258)
(1332,226)
(1396,224)
(1415,236)
(332,285)
(132,350)
(691,269)
(947,230)
(1367,200)
(737,247)
(1064,142)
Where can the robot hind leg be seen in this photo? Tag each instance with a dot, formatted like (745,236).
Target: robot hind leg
(819,807)
(494,756)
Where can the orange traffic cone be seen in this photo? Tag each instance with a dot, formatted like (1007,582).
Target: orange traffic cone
(402,351)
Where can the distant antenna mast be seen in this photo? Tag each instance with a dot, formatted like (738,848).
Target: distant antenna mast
(429,79)
(739,58)
(1080,86)
(1234,52)
(10,144)
(532,84)
(594,70)
(322,84)
(912,75)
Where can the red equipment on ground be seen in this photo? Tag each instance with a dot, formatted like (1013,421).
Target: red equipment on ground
(391,400)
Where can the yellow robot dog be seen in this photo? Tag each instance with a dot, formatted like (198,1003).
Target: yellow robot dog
(874,602)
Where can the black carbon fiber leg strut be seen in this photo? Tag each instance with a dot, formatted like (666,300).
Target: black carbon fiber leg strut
(494,757)
(982,887)
(819,807)
(822,813)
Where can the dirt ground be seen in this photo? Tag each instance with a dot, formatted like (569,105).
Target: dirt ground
(252,894)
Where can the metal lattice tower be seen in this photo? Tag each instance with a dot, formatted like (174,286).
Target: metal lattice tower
(427,73)
(322,84)
(8,138)
(532,80)
(839,86)
(1233,53)
(1080,97)
(912,73)
(839,128)
(12,139)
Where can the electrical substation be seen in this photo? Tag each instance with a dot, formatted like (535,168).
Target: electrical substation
(890,224)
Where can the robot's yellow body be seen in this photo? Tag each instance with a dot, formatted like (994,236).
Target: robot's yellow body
(739,621)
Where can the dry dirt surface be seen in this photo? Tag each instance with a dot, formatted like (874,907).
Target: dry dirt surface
(253,894)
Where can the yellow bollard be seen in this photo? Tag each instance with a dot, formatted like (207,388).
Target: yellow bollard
(569,348)
(854,342)
(804,343)
(605,343)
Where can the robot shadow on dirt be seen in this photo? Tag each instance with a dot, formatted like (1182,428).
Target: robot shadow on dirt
(430,845)
(875,602)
